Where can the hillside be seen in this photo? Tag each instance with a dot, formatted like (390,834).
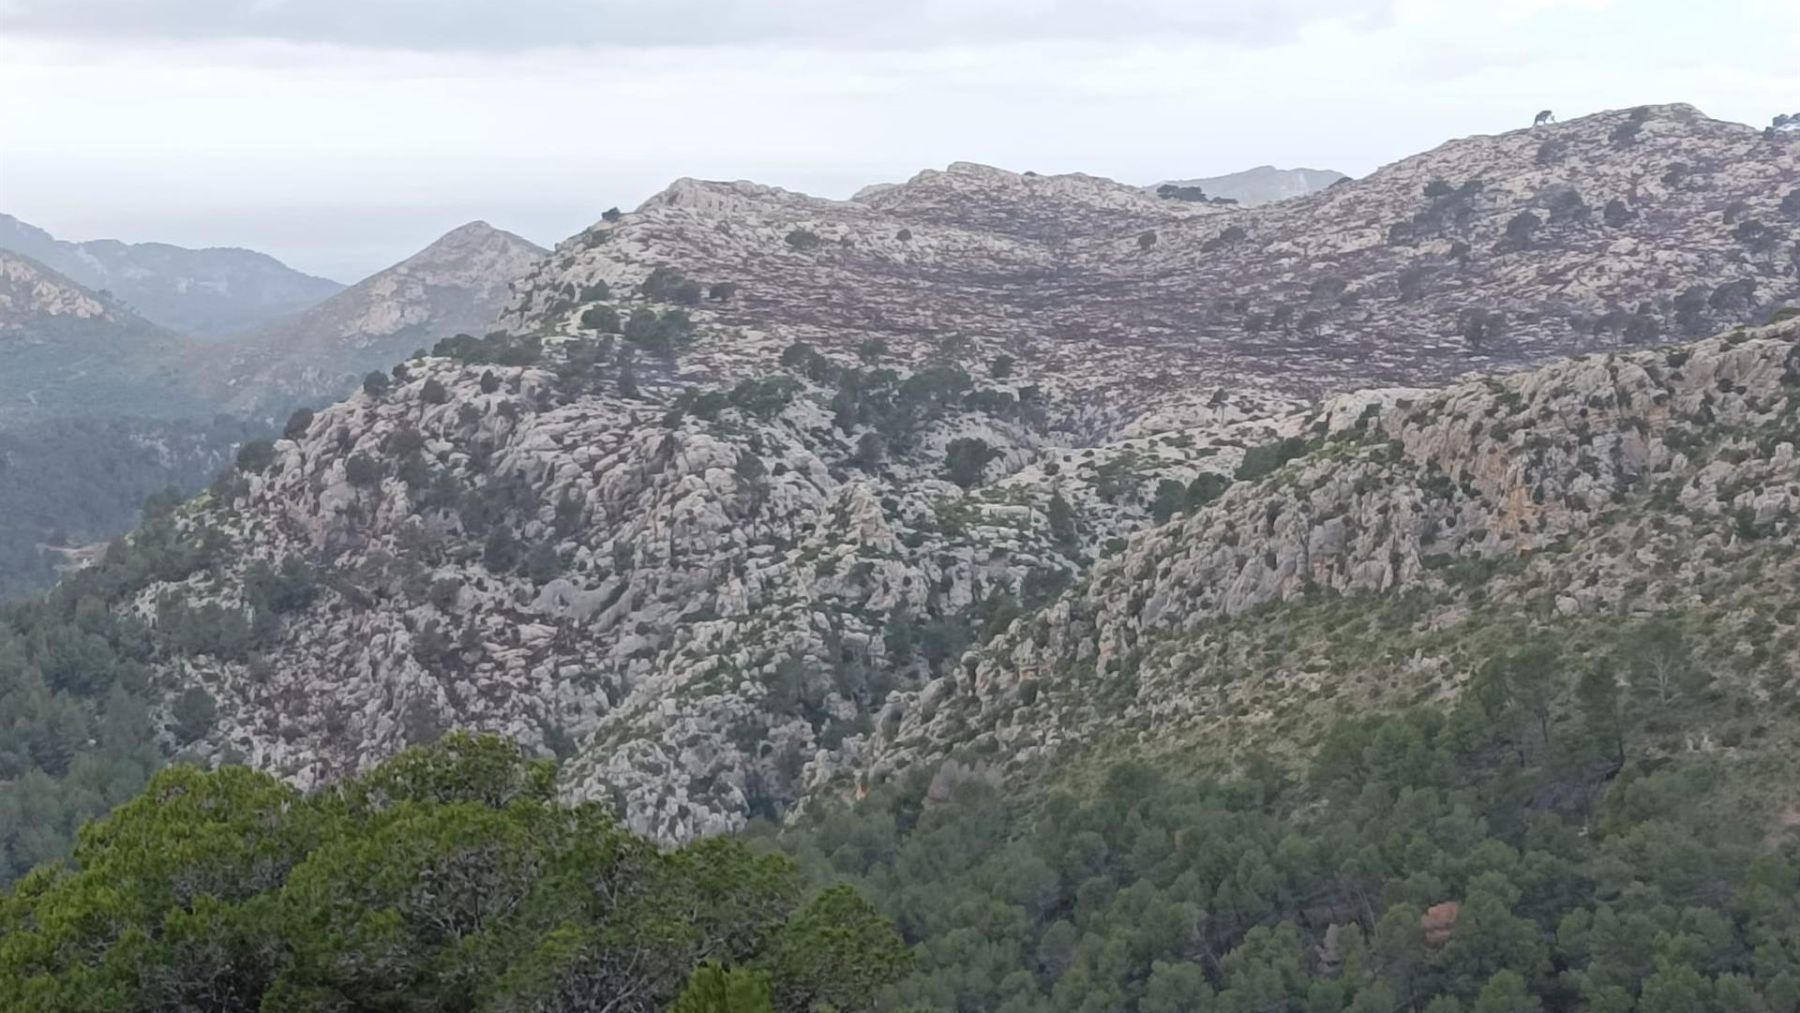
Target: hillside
(68,486)
(720,517)
(1486,253)
(1615,504)
(457,283)
(211,293)
(69,352)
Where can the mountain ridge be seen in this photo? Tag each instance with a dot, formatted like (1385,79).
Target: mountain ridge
(210,293)
(732,509)
(455,283)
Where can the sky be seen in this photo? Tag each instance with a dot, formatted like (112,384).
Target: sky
(343,135)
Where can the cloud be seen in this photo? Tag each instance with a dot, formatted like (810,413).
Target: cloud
(511,25)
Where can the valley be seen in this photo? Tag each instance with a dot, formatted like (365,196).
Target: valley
(1147,603)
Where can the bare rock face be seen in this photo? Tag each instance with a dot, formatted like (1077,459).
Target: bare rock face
(1621,228)
(1595,486)
(702,607)
(759,496)
(458,283)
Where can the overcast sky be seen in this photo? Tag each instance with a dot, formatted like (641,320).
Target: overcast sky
(341,135)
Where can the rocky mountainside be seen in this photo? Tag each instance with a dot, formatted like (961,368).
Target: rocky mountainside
(458,283)
(216,292)
(1398,544)
(1489,252)
(67,352)
(1264,184)
(760,497)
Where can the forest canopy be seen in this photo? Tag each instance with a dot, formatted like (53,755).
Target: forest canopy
(447,879)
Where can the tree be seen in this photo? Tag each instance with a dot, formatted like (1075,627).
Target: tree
(433,392)
(1169,500)
(966,458)
(1657,660)
(1521,227)
(194,712)
(1601,704)
(447,875)
(803,239)
(376,383)
(1174,191)
(1061,518)
(601,318)
(1544,116)
(362,471)
(256,456)
(1206,487)
(1505,992)
(297,424)
(1001,367)
(716,989)
(627,380)
(870,449)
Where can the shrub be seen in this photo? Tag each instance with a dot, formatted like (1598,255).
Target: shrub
(1260,461)
(433,392)
(362,471)
(601,318)
(193,713)
(803,239)
(966,458)
(1205,488)
(1521,228)
(297,424)
(376,383)
(255,456)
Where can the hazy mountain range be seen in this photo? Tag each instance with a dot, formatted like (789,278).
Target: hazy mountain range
(213,293)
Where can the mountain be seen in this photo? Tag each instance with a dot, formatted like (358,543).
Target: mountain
(69,352)
(1485,253)
(1611,504)
(217,292)
(1264,184)
(759,501)
(458,283)
(96,413)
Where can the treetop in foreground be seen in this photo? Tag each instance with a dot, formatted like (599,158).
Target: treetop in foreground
(448,878)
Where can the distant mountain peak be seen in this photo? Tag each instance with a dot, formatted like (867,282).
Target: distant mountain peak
(457,283)
(213,292)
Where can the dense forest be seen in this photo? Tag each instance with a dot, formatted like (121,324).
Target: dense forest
(447,879)
(66,483)
(1517,852)
(1513,855)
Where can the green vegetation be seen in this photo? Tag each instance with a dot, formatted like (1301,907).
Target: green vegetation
(498,349)
(76,735)
(1260,461)
(1501,857)
(965,458)
(447,879)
